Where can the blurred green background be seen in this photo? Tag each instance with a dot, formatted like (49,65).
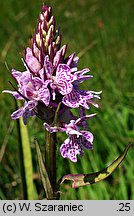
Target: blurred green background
(100,32)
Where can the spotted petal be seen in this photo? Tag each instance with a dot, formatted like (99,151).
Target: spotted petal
(69,59)
(78,98)
(75,99)
(81,76)
(48,67)
(44,95)
(27,114)
(74,63)
(70,150)
(16,74)
(87,139)
(64,79)
(57,58)
(32,61)
(25,111)
(25,78)
(36,51)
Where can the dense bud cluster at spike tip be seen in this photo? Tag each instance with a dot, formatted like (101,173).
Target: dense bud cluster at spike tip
(52,78)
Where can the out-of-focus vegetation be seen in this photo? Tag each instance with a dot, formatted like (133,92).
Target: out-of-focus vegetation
(100,32)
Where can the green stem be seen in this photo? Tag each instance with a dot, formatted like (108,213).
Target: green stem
(50,160)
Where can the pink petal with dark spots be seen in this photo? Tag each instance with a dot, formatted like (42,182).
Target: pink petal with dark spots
(32,61)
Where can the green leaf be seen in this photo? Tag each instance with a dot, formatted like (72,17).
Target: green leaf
(88,179)
(27,162)
(29,190)
(43,173)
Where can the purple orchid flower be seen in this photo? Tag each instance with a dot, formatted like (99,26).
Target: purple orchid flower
(31,89)
(62,80)
(77,141)
(52,78)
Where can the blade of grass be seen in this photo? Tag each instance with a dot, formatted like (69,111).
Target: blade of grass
(26,162)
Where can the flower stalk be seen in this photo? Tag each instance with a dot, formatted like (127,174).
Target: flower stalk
(50,158)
